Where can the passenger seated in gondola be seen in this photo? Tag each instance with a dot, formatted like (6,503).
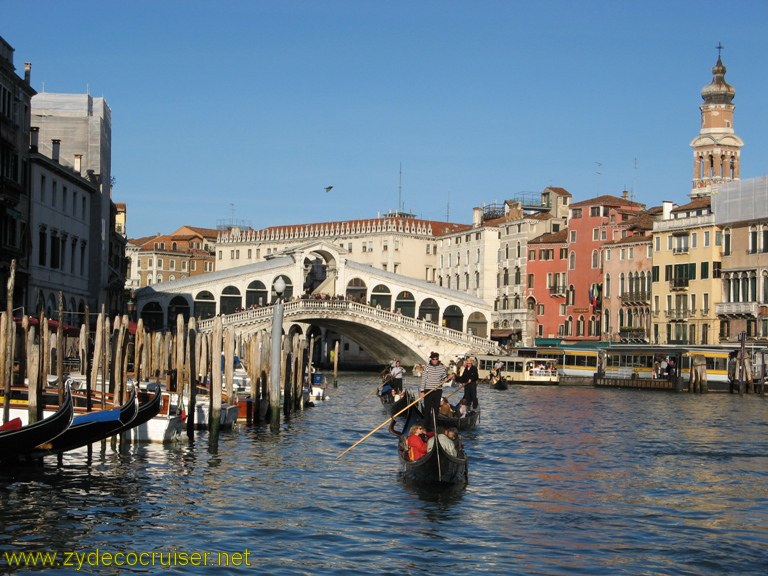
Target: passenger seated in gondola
(462,408)
(386,389)
(445,442)
(417,442)
(445,408)
(453,434)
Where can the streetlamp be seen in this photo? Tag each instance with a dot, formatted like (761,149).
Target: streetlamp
(277,333)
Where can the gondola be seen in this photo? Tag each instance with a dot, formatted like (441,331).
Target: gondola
(147,410)
(18,441)
(393,406)
(498,383)
(468,422)
(437,468)
(93,427)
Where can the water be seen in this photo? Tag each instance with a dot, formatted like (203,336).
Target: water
(562,481)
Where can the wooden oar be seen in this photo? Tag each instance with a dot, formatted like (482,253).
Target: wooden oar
(385,423)
(454,392)
(367,396)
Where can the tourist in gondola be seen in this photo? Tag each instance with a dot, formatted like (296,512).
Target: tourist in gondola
(445,442)
(417,442)
(469,378)
(432,380)
(397,372)
(445,407)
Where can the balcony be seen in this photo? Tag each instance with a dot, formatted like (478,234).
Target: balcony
(680,250)
(557,290)
(678,284)
(635,297)
(679,314)
(632,334)
(738,309)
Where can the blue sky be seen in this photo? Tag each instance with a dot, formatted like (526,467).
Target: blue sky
(248,109)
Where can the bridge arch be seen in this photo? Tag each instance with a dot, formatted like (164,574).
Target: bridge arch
(287,293)
(356,290)
(231,300)
(429,310)
(453,318)
(152,315)
(405,304)
(256,294)
(381,296)
(205,305)
(477,324)
(179,305)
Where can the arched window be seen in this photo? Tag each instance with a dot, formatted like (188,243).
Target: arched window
(607,285)
(477,280)
(595,259)
(506,277)
(517,302)
(519,249)
(621,284)
(505,303)
(517,275)
(580,326)
(572,261)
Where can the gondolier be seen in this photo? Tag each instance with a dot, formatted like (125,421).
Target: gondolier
(397,372)
(432,379)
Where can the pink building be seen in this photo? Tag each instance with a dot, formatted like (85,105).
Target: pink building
(592,224)
(546,283)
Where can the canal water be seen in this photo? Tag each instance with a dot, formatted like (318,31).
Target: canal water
(562,481)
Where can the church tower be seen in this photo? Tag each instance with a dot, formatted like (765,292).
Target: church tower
(717,149)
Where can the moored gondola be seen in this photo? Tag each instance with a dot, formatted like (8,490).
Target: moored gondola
(437,467)
(92,427)
(147,410)
(16,442)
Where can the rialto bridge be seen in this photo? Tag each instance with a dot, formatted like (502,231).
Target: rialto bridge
(328,296)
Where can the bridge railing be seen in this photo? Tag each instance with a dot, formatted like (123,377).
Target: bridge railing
(294,307)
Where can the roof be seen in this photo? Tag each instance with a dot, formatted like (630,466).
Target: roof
(607,200)
(634,239)
(695,204)
(551,237)
(559,191)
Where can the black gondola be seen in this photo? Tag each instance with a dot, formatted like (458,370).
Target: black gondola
(468,422)
(147,410)
(437,468)
(393,406)
(18,442)
(93,427)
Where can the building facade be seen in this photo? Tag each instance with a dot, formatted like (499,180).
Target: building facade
(15,108)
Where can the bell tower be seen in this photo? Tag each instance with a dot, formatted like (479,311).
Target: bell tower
(716,149)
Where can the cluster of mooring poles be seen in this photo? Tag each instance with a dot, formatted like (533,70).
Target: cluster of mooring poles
(119,351)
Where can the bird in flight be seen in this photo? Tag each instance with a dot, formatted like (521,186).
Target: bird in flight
(328,188)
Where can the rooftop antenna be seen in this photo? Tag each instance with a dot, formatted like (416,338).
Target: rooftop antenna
(634,180)
(448,209)
(232,210)
(599,173)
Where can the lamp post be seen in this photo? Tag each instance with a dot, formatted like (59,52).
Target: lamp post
(274,372)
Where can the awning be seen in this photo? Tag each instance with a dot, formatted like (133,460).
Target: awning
(504,332)
(547,342)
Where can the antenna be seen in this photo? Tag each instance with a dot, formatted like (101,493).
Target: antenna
(232,210)
(634,179)
(599,173)
(448,208)
(400,190)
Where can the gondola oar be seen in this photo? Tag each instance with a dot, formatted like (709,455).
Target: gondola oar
(386,422)
(368,396)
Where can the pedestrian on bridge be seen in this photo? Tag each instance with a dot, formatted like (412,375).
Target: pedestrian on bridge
(432,379)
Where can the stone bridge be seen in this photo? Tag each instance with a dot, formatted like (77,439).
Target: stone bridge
(387,314)
(385,335)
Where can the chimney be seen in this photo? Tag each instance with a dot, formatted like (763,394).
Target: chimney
(666,210)
(55,147)
(79,164)
(477,217)
(625,194)
(34,137)
(27,72)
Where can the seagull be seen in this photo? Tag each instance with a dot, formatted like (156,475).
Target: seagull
(328,188)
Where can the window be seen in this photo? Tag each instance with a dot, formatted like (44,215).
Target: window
(530,280)
(595,259)
(706,238)
(607,255)
(573,236)
(572,261)
(595,234)
(575,212)
(716,269)
(658,243)
(704,270)
(693,239)
(595,211)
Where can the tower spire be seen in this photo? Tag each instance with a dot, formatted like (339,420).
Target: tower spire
(717,148)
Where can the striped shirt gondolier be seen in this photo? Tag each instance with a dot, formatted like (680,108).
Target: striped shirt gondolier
(433,376)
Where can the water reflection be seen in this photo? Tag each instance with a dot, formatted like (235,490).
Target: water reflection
(560,481)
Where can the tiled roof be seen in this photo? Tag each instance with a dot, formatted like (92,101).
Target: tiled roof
(607,200)
(551,237)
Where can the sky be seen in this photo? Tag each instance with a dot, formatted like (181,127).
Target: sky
(244,111)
